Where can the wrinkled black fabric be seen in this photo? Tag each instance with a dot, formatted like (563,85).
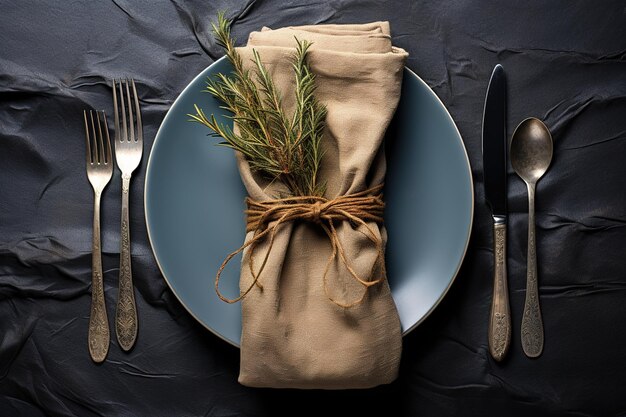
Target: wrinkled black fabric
(566,64)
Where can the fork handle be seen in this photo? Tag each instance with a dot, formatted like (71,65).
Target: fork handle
(126,314)
(500,318)
(98,323)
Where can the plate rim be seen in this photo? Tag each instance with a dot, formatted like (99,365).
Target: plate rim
(230,342)
(472,203)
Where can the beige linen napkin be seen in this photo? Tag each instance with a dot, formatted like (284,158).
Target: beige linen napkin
(293,336)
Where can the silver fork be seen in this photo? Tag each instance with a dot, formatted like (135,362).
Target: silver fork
(128,152)
(99,171)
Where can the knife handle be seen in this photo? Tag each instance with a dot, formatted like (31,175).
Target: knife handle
(500,318)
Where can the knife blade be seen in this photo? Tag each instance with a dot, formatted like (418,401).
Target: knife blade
(494,148)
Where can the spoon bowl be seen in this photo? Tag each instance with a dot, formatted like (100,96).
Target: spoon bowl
(531,154)
(531,150)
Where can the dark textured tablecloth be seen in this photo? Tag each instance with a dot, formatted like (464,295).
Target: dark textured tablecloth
(566,64)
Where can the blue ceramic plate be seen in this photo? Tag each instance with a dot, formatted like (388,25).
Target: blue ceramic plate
(194,206)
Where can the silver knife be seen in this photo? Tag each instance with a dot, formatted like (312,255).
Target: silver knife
(494,169)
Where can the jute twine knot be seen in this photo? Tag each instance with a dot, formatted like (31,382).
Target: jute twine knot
(264,218)
(316,210)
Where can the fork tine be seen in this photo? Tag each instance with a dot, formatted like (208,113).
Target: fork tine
(125,131)
(131,126)
(108,139)
(94,150)
(101,159)
(87,140)
(116,116)
(100,140)
(137,113)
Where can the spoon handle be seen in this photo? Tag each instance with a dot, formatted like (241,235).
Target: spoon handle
(500,318)
(532,324)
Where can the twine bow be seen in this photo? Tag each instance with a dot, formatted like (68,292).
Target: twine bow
(264,218)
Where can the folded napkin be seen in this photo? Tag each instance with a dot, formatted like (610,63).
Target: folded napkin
(293,334)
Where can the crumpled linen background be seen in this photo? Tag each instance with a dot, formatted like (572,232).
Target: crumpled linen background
(565,63)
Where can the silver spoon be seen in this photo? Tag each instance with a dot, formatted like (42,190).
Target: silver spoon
(531,154)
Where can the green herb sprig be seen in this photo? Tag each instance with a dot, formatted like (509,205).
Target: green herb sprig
(279,147)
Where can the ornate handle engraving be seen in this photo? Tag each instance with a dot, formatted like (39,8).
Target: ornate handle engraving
(98,323)
(126,314)
(500,319)
(532,324)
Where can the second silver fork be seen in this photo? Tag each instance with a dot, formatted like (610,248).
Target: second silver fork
(99,172)
(128,152)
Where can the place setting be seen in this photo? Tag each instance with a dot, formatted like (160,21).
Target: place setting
(223,209)
(333,218)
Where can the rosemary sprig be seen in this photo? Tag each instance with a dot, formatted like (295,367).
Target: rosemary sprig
(281,148)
